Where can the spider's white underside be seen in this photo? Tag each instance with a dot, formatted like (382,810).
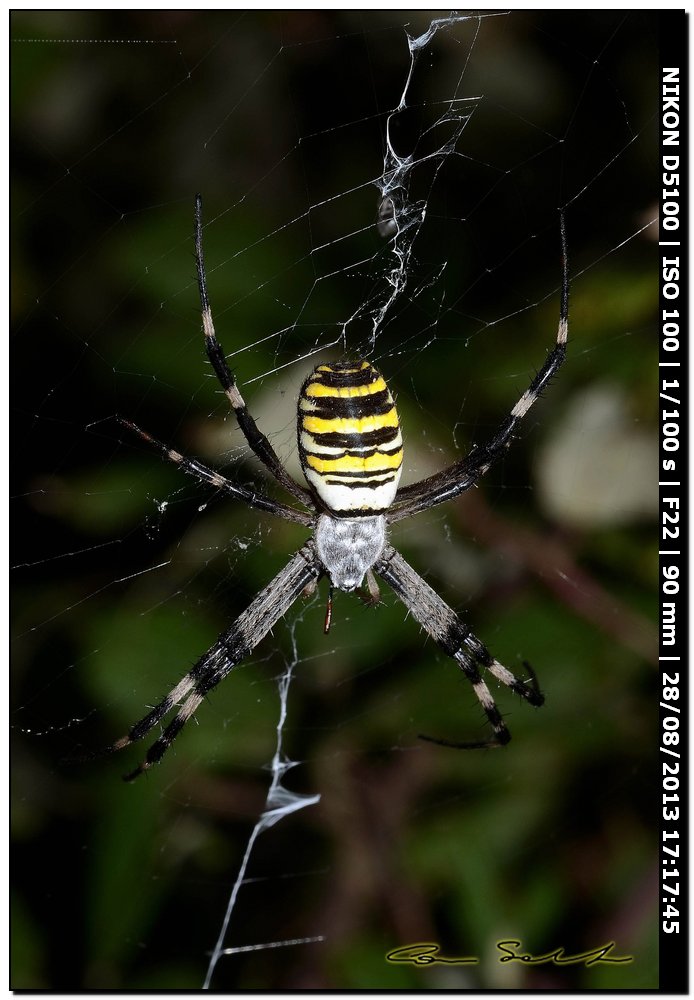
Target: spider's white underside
(375,496)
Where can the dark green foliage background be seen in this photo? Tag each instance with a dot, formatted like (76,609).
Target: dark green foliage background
(552,841)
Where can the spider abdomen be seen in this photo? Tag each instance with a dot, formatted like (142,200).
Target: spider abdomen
(350,443)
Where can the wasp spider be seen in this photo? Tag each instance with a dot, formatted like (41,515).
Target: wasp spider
(351,452)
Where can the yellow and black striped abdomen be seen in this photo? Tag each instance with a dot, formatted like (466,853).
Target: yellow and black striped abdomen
(349,438)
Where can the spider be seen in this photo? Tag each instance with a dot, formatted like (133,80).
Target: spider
(351,453)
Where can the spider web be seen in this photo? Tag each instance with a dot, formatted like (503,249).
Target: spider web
(383,186)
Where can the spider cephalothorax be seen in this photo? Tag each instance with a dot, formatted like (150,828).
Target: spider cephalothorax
(350,447)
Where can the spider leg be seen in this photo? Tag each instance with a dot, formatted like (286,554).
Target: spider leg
(456,639)
(254,436)
(460,476)
(233,646)
(213,478)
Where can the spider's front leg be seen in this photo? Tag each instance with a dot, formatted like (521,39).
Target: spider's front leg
(230,649)
(453,636)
